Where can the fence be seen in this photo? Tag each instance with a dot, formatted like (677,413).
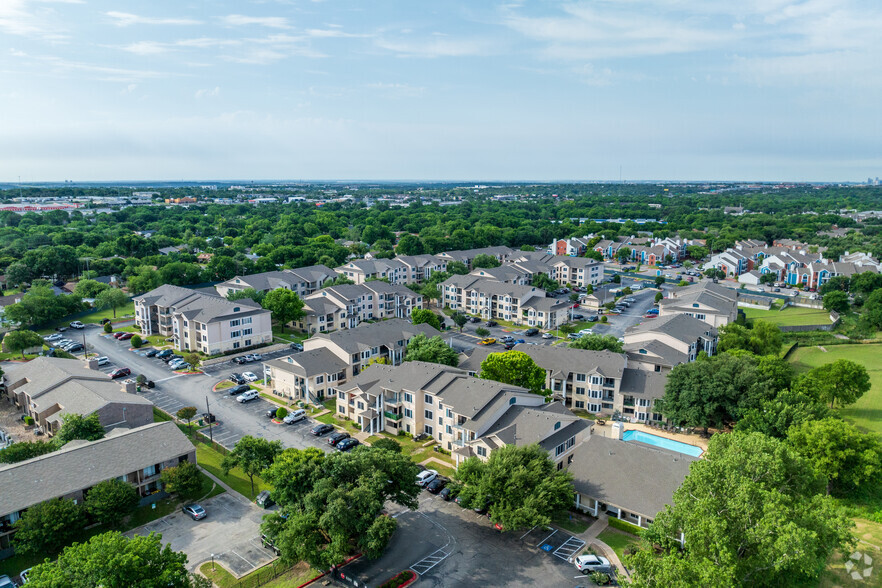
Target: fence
(834,318)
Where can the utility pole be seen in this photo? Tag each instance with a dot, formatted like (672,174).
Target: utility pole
(208,412)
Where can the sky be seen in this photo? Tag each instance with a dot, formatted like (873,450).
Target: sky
(762,90)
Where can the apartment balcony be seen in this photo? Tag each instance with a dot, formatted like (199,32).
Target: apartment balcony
(391,416)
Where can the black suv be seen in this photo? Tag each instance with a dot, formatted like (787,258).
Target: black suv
(239,389)
(337,437)
(531,332)
(237,378)
(491,324)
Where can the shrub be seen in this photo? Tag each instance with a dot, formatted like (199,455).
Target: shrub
(29,420)
(599,578)
(604,319)
(281,412)
(136,341)
(141,378)
(625,526)
(400,579)
(108,328)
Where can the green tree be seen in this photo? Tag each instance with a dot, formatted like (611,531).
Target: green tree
(767,279)
(183,479)
(110,501)
(751,514)
(834,284)
(21,339)
(77,426)
(252,455)
(457,268)
(481,332)
(136,341)
(525,486)
(842,381)
(515,368)
(763,338)
(775,416)
(659,280)
(111,559)
(111,298)
(108,327)
(845,457)
(89,288)
(193,359)
(387,444)
(333,503)
(250,293)
(658,297)
(567,328)
(45,528)
(544,282)
(597,342)
(26,450)
(460,320)
(143,280)
(410,245)
(872,310)
(483,260)
(186,413)
(713,391)
(836,301)
(423,315)
(433,350)
(285,305)
(623,254)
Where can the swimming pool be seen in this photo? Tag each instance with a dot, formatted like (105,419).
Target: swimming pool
(662,442)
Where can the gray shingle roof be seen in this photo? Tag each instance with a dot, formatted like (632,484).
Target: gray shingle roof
(564,360)
(81,465)
(309,363)
(366,336)
(199,306)
(643,383)
(523,425)
(682,327)
(628,475)
(658,353)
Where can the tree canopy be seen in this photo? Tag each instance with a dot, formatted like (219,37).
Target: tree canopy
(20,340)
(842,381)
(285,305)
(252,455)
(110,501)
(77,426)
(515,368)
(433,350)
(26,450)
(333,503)
(111,298)
(752,513)
(763,338)
(424,315)
(45,528)
(597,342)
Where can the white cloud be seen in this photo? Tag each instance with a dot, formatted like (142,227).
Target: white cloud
(146,48)
(124,19)
(207,93)
(239,20)
(437,46)
(21,17)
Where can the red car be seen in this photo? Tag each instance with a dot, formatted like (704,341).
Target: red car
(126,336)
(118,335)
(120,373)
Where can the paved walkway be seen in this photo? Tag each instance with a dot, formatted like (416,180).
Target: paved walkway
(590,538)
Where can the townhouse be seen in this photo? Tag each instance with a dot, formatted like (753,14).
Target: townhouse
(203,322)
(501,253)
(136,456)
(48,388)
(573,247)
(402,269)
(346,306)
(303,280)
(329,359)
(712,303)
(661,344)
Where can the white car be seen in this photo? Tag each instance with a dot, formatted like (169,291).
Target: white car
(177,364)
(256,357)
(249,376)
(77,325)
(250,395)
(425,477)
(588,563)
(103,360)
(584,332)
(53,337)
(547,336)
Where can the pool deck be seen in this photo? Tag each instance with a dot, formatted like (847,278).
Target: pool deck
(694,439)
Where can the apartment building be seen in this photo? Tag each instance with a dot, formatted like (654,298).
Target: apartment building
(712,303)
(203,322)
(308,376)
(346,306)
(136,456)
(48,388)
(577,271)
(661,344)
(303,280)
(574,246)
(487,298)
(466,256)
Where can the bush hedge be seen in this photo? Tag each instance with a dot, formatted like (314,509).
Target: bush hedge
(281,413)
(625,526)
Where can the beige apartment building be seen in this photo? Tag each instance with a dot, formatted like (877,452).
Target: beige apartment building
(347,306)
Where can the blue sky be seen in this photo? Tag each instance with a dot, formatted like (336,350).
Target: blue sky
(338,89)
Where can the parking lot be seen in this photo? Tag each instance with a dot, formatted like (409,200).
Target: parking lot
(451,546)
(231,532)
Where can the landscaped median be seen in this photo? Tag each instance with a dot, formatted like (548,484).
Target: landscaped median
(400,580)
(272,575)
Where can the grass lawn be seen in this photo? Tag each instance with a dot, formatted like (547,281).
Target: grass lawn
(790,316)
(294,576)
(572,523)
(866,413)
(210,460)
(618,540)
(93,317)
(418,453)
(287,335)
(836,575)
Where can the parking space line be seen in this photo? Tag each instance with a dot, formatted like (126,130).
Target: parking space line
(546,539)
(569,547)
(430,561)
(527,533)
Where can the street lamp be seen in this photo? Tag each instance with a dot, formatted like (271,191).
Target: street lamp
(212,562)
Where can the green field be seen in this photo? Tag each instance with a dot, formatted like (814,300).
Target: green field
(866,413)
(791,316)
(93,317)
(618,540)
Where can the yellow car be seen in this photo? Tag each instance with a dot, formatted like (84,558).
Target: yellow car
(488,341)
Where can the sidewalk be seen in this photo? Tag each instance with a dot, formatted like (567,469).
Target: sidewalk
(590,539)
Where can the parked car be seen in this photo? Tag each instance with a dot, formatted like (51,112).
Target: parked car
(53,337)
(321,429)
(488,341)
(295,416)
(151,353)
(120,373)
(474,319)
(491,324)
(587,563)
(177,364)
(235,390)
(242,359)
(249,376)
(547,336)
(256,357)
(424,478)
(532,332)
(6,582)
(249,358)
(23,576)
(577,316)
(61,329)
(506,339)
(245,397)
(337,437)
(592,318)
(195,511)
(103,360)
(518,341)
(171,358)
(77,325)
(236,378)
(483,507)
(164,353)
(271,413)
(508,346)
(75,348)
(125,336)
(264,500)
(347,444)
(574,336)
(436,485)
(296,347)
(445,494)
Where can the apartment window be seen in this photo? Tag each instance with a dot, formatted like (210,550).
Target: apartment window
(427,429)
(408,398)
(449,430)
(246,331)
(235,323)
(429,414)
(449,413)
(247,342)
(559,449)
(580,377)
(440,420)
(235,334)
(570,442)
(580,390)
(246,321)
(408,413)
(361,406)
(235,345)
(341,395)
(428,399)
(559,466)
(319,379)
(482,451)
(580,404)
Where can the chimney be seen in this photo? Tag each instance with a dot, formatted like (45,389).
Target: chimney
(129,386)
(92,364)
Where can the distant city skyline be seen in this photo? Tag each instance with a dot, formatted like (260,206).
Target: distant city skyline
(670,90)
